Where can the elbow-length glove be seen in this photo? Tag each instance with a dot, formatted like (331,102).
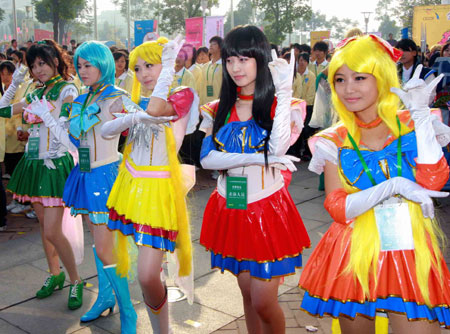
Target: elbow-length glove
(165,79)
(415,95)
(220,160)
(282,76)
(358,203)
(17,79)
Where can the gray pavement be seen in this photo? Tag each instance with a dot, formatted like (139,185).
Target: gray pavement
(217,305)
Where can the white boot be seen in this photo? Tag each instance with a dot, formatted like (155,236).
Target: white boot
(159,316)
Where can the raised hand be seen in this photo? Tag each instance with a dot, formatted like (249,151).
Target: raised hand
(19,75)
(171,50)
(416,93)
(282,73)
(38,108)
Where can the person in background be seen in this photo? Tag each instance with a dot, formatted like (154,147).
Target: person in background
(212,73)
(320,51)
(391,40)
(124,79)
(183,77)
(409,62)
(191,65)
(202,56)
(73,45)
(17,57)
(13,47)
(304,87)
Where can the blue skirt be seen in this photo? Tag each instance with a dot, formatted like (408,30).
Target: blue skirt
(87,193)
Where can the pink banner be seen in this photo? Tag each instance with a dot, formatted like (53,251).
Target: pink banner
(40,34)
(214,27)
(194,31)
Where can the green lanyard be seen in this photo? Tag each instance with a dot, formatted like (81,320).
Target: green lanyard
(87,102)
(207,73)
(180,80)
(363,162)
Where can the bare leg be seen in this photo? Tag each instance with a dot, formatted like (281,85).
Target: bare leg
(401,325)
(251,317)
(53,232)
(357,326)
(104,242)
(50,252)
(265,302)
(149,274)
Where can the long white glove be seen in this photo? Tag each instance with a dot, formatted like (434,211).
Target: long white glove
(415,95)
(220,160)
(362,201)
(165,79)
(17,79)
(125,121)
(282,76)
(40,108)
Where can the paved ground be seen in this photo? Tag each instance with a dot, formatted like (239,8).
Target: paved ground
(217,306)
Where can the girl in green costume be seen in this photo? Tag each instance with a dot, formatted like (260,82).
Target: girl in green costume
(41,174)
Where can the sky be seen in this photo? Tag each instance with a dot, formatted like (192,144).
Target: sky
(340,8)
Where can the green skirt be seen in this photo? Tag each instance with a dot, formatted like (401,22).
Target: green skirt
(33,181)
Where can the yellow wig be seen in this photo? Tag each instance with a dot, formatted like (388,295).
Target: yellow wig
(365,55)
(150,52)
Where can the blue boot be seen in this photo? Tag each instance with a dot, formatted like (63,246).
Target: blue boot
(105,299)
(128,316)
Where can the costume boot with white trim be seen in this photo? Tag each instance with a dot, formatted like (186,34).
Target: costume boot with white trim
(159,316)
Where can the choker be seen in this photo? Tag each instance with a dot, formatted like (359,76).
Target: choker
(56,78)
(377,121)
(244,97)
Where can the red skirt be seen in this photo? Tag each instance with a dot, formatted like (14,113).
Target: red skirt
(324,275)
(269,230)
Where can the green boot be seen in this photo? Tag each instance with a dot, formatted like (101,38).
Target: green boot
(50,284)
(75,295)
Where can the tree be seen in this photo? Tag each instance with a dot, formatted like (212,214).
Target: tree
(319,21)
(59,12)
(404,9)
(280,15)
(139,9)
(388,26)
(2,14)
(242,15)
(173,13)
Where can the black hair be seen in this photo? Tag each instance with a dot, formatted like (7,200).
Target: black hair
(218,40)
(248,41)
(444,47)
(304,48)
(407,44)
(303,55)
(48,50)
(321,46)
(119,54)
(285,50)
(203,49)
(72,40)
(9,65)
(18,54)
(64,47)
(2,56)
(287,56)
(275,47)
(13,40)
(194,52)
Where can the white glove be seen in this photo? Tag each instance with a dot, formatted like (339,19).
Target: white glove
(165,79)
(358,203)
(49,164)
(415,95)
(282,76)
(219,160)
(19,75)
(125,121)
(40,108)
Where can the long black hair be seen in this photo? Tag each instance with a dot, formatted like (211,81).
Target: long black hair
(48,50)
(248,41)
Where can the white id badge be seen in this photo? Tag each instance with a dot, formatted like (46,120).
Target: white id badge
(394,225)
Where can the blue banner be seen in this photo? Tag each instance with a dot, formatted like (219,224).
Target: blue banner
(142,28)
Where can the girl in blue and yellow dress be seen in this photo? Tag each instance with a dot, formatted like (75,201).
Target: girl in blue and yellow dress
(147,200)
(381,169)
(251,225)
(88,186)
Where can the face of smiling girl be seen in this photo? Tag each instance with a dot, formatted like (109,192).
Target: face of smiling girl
(147,74)
(242,70)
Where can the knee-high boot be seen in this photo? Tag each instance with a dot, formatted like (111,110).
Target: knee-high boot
(105,299)
(159,316)
(128,316)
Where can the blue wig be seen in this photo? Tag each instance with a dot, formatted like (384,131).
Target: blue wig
(99,56)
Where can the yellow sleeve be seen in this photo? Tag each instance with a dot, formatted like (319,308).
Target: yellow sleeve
(310,89)
(297,87)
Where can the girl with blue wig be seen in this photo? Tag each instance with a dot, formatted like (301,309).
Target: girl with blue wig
(88,185)
(41,173)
